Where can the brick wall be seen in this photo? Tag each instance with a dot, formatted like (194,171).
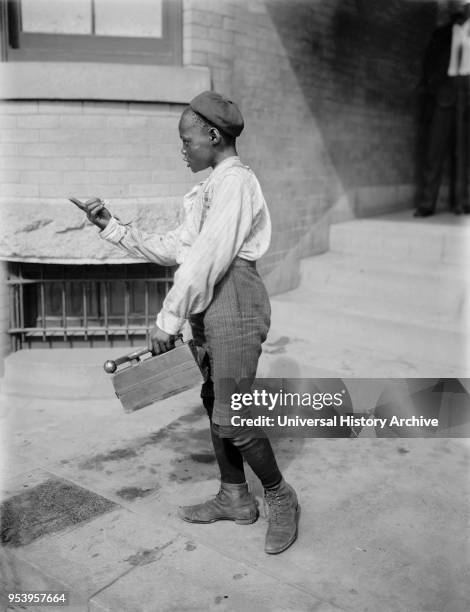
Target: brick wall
(127,153)
(328,92)
(122,151)
(327,89)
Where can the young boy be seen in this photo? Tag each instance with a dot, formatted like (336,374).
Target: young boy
(225,229)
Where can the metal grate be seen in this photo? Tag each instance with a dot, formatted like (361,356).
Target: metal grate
(84,305)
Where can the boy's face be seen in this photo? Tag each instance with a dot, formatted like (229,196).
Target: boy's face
(197,150)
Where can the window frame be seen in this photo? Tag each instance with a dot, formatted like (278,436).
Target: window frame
(42,47)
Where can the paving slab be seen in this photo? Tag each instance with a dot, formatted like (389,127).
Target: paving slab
(52,430)
(104,543)
(19,576)
(385,515)
(123,456)
(193,577)
(381,527)
(95,554)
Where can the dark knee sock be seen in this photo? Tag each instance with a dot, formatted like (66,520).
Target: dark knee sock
(259,455)
(228,457)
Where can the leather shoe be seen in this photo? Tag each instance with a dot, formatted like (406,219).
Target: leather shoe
(233,502)
(283,518)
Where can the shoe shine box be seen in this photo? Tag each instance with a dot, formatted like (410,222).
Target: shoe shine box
(140,378)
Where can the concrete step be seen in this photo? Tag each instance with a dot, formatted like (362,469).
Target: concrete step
(434,296)
(399,236)
(354,344)
(390,299)
(59,373)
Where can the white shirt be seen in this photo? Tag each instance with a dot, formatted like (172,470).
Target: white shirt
(460,40)
(223,217)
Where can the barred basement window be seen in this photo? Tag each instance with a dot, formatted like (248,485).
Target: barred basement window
(69,305)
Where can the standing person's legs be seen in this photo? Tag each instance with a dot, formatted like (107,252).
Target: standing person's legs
(236,324)
(436,151)
(233,501)
(281,499)
(229,459)
(462,140)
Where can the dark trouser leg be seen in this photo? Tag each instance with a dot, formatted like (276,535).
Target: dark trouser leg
(462,144)
(439,138)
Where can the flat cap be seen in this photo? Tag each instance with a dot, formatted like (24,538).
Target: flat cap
(219,111)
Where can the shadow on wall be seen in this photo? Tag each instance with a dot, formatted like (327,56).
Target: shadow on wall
(358,63)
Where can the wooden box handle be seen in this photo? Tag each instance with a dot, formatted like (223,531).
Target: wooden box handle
(111,365)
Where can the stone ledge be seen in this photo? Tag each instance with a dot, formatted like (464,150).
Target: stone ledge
(59,233)
(99,81)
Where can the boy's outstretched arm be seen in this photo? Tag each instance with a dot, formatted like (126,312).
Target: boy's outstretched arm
(157,248)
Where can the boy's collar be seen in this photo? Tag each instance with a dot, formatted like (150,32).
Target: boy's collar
(226,163)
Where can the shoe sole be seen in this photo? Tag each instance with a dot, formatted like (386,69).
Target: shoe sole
(294,537)
(248,521)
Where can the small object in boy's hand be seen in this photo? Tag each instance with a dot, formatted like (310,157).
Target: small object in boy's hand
(95,211)
(80,205)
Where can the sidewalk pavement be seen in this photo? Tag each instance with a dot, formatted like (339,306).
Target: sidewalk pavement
(94,491)
(382,524)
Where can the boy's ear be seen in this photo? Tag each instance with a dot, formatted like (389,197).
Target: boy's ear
(214,135)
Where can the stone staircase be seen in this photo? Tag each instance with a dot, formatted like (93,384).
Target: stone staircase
(388,299)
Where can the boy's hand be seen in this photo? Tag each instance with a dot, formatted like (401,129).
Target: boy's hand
(161,341)
(95,210)
(97,213)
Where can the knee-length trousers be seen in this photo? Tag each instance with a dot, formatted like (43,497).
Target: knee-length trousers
(232,330)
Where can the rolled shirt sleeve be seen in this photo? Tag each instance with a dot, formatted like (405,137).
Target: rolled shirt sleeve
(228,224)
(157,248)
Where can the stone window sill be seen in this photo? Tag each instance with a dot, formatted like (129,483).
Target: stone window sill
(100,81)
